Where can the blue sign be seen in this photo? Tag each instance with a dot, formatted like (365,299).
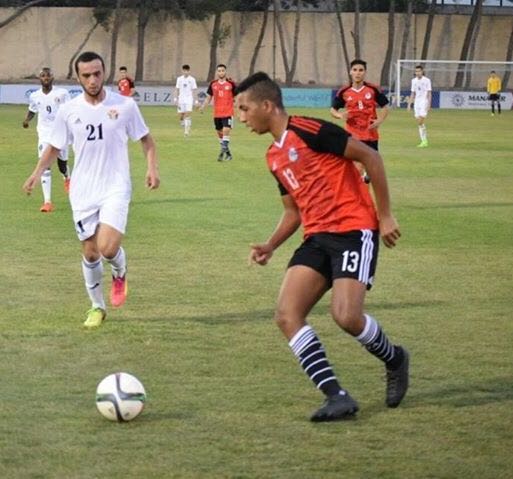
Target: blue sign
(307,97)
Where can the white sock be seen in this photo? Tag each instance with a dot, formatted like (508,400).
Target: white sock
(46,185)
(118,263)
(423,132)
(188,123)
(93,275)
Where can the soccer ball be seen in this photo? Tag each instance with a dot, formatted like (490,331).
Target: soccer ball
(120,397)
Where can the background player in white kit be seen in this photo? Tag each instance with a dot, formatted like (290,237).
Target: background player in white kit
(185,98)
(99,123)
(45,102)
(421,97)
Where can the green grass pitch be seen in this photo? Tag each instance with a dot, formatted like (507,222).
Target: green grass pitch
(226,397)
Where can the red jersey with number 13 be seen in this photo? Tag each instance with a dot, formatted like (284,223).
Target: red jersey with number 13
(309,164)
(222,93)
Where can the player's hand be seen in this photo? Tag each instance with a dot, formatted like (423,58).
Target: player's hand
(25,124)
(389,231)
(152,179)
(30,184)
(260,253)
(374,124)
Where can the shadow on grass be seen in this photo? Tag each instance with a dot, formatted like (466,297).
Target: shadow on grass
(176,200)
(404,305)
(211,319)
(463,395)
(456,205)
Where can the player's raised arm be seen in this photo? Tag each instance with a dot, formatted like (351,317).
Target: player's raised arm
(287,225)
(371,159)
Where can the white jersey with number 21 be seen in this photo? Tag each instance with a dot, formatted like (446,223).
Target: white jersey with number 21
(99,135)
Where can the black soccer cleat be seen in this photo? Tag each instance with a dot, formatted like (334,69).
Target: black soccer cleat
(397,381)
(228,156)
(336,408)
(221,156)
(366,179)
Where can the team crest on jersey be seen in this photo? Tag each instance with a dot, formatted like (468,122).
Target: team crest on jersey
(293,156)
(368,96)
(57,100)
(113,114)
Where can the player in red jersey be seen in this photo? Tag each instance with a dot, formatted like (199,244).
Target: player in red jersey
(221,90)
(126,85)
(321,189)
(359,101)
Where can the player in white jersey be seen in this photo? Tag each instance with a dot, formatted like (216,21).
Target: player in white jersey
(45,102)
(185,97)
(421,97)
(99,124)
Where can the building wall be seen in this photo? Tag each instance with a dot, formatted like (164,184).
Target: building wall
(50,36)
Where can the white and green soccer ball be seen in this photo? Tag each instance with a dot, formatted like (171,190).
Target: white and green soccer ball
(120,397)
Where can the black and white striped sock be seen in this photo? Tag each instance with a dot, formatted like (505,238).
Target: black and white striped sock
(376,342)
(310,352)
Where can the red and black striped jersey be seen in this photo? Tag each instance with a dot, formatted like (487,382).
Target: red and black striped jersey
(361,109)
(222,93)
(309,164)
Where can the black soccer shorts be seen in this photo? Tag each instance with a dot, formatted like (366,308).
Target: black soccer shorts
(223,122)
(494,97)
(340,255)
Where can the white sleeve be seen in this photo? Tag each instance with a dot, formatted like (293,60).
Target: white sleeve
(60,133)
(412,85)
(194,84)
(428,84)
(32,104)
(136,127)
(177,83)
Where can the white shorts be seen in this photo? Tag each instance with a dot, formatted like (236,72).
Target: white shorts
(63,155)
(113,212)
(420,109)
(184,106)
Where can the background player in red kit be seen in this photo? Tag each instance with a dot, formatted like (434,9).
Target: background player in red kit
(126,85)
(221,90)
(359,101)
(322,190)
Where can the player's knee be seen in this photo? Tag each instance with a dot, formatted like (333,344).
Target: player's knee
(285,319)
(109,251)
(91,256)
(349,320)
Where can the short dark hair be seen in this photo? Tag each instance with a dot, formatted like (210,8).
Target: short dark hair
(493,71)
(46,70)
(419,66)
(357,61)
(87,57)
(262,88)
(186,67)
(221,65)
(123,69)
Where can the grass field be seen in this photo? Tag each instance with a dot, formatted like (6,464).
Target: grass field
(226,397)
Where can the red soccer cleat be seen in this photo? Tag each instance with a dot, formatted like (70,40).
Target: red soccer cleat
(46,208)
(119,291)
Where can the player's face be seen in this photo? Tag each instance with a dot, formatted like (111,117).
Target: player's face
(123,74)
(46,79)
(419,72)
(185,73)
(221,73)
(357,73)
(253,114)
(91,76)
